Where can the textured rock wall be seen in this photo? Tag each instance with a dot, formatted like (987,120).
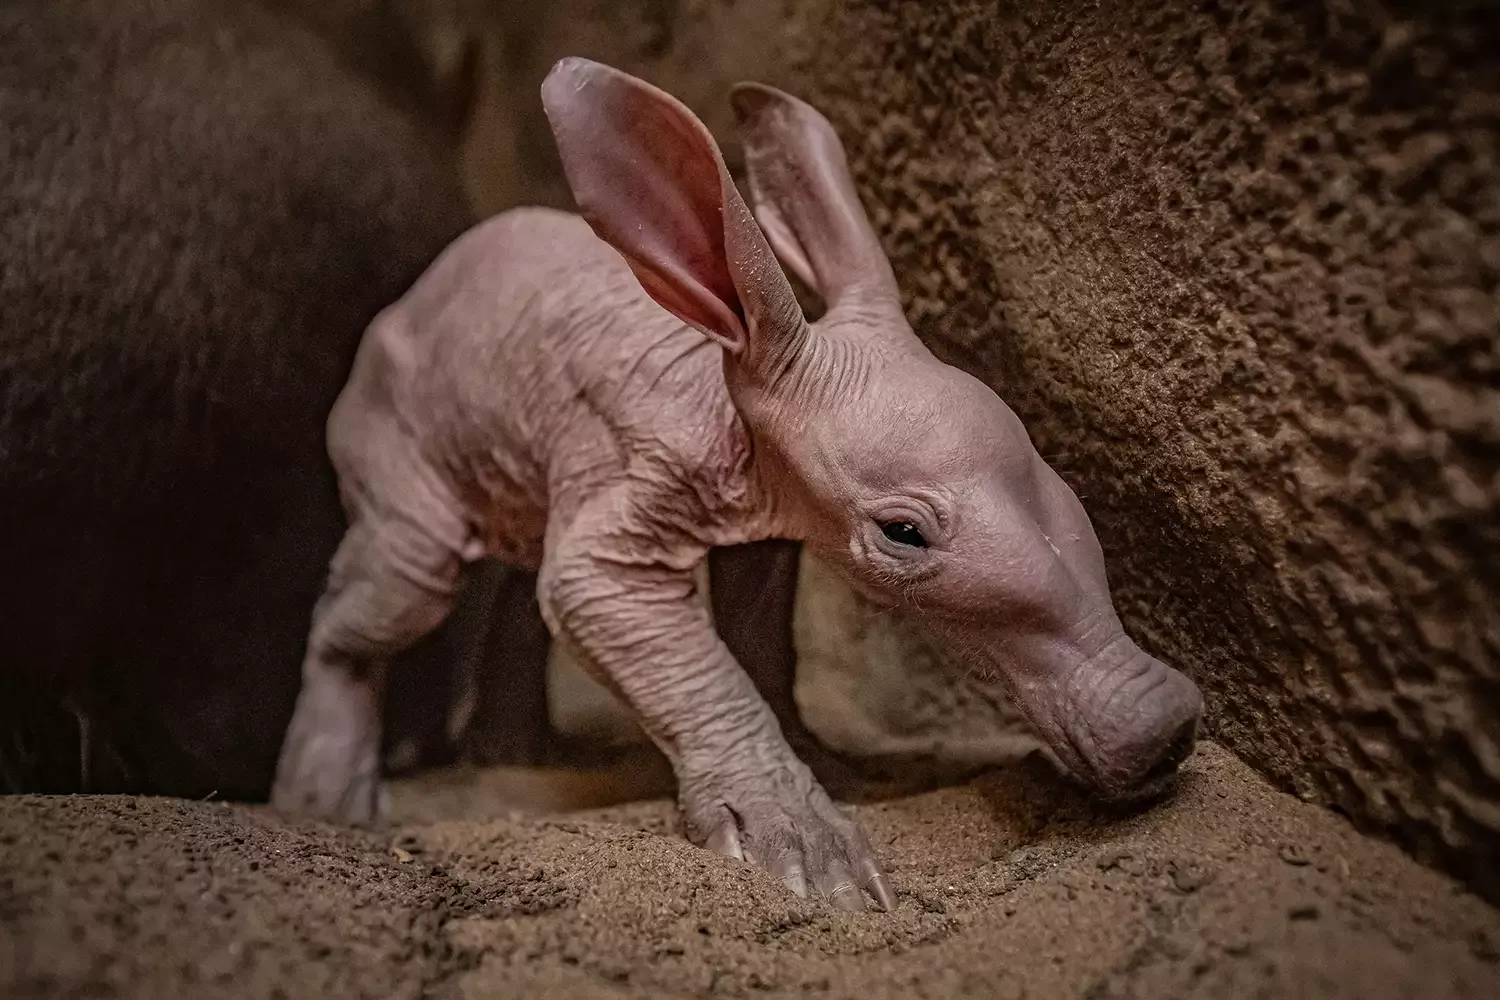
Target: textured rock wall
(1236,266)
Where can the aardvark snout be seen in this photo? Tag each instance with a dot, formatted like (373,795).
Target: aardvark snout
(1133,721)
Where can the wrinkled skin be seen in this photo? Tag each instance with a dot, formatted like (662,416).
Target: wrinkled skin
(526,401)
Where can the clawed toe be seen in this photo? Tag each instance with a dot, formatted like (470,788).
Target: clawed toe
(808,846)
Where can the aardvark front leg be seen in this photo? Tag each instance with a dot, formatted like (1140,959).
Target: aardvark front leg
(635,620)
(753,591)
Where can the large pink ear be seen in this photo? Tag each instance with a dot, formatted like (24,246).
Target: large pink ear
(805,198)
(648,177)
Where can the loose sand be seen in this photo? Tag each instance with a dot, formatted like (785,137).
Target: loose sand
(1012,885)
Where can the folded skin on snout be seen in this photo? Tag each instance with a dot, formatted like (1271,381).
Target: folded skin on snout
(606,400)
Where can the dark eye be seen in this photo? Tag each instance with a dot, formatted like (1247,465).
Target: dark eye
(904,533)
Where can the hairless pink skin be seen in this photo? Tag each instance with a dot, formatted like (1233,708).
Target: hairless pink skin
(526,401)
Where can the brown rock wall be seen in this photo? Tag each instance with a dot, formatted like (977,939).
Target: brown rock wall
(1236,266)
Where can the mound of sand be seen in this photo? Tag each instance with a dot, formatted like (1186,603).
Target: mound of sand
(1012,885)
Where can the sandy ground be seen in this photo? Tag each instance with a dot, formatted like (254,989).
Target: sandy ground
(1010,886)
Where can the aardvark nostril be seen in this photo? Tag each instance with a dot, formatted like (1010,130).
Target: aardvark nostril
(1175,752)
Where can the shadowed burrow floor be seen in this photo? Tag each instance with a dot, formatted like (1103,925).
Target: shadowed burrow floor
(1011,885)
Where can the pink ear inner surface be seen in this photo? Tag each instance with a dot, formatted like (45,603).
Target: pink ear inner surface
(804,196)
(649,179)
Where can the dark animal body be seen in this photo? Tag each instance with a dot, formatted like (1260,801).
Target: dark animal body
(200,213)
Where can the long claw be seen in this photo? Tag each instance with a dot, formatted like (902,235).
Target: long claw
(788,870)
(876,886)
(725,840)
(871,878)
(847,897)
(837,883)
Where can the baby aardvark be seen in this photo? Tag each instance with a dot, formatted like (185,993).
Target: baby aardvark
(607,404)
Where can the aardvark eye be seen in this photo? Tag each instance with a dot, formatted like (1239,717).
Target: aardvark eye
(904,533)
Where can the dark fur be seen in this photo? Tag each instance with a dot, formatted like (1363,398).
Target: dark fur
(199,214)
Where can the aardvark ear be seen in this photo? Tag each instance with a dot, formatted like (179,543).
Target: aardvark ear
(805,199)
(648,177)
